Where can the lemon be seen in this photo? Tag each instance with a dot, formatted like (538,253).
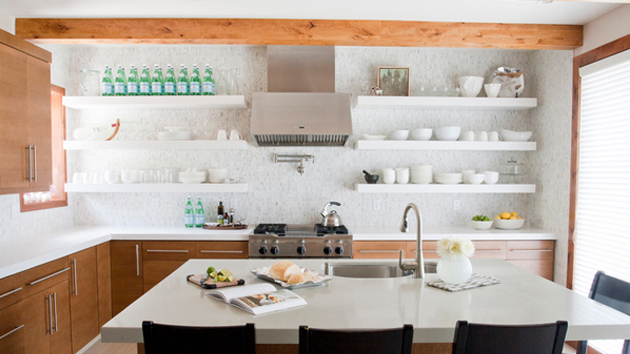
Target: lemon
(505,215)
(519,218)
(512,218)
(498,217)
(514,214)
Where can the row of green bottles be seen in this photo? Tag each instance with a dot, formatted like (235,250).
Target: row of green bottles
(146,84)
(194,217)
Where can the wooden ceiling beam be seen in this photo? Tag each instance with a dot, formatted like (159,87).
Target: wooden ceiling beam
(299,32)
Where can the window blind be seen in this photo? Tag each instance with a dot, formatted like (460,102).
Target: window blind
(602,235)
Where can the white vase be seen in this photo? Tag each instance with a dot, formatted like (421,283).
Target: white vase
(454,270)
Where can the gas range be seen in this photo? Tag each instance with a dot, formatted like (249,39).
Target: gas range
(300,241)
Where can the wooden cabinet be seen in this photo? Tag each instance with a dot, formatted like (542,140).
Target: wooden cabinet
(25,116)
(126,262)
(378,249)
(161,258)
(84,297)
(490,249)
(104,286)
(12,329)
(534,256)
(222,249)
(47,321)
(429,249)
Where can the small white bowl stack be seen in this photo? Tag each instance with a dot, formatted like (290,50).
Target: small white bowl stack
(421,174)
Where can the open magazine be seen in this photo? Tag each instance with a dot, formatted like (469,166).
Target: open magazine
(258,298)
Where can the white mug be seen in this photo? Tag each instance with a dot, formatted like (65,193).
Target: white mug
(222,135)
(493,136)
(234,135)
(402,175)
(389,175)
(77,178)
(468,135)
(482,135)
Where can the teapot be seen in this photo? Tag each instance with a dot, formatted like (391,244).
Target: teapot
(331,219)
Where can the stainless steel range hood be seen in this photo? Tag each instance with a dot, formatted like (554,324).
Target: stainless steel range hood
(301,107)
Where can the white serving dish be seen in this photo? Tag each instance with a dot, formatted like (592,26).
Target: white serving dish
(398,135)
(263,273)
(447,133)
(511,135)
(508,224)
(481,225)
(423,134)
(217,175)
(373,137)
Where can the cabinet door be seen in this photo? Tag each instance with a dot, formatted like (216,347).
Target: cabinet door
(61,338)
(12,330)
(378,249)
(429,249)
(490,249)
(84,298)
(126,259)
(534,256)
(38,322)
(222,249)
(104,276)
(161,258)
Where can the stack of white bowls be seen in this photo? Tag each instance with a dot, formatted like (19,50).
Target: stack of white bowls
(421,174)
(448,178)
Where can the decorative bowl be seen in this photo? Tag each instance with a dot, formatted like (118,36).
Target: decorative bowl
(511,135)
(481,225)
(421,134)
(508,224)
(447,133)
(470,86)
(398,135)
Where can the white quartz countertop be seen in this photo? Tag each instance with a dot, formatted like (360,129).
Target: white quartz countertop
(347,303)
(21,253)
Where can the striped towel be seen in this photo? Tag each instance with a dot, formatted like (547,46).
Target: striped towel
(475,281)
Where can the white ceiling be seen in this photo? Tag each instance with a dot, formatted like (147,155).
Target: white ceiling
(497,11)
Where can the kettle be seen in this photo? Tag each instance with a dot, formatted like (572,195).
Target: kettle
(331,219)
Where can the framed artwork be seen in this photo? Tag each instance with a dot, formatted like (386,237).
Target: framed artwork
(393,80)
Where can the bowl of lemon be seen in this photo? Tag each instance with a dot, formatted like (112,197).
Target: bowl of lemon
(508,221)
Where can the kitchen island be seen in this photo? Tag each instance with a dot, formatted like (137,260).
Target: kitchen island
(348,303)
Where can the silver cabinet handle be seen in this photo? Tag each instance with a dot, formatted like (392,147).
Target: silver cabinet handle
(529,250)
(488,250)
(137,260)
(35,161)
(29,173)
(10,292)
(50,315)
(379,251)
(55,302)
(76,282)
(425,251)
(48,276)
(11,332)
(168,251)
(219,251)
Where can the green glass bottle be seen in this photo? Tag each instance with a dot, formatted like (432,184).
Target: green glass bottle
(189,214)
(200,214)
(133,82)
(156,83)
(145,81)
(208,81)
(170,83)
(161,76)
(182,81)
(107,88)
(195,81)
(120,83)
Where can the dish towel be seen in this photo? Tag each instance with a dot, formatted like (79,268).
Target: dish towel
(475,281)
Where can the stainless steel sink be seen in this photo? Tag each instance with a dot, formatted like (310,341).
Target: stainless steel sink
(372,270)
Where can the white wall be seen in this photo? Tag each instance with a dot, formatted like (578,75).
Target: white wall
(605,29)
(7,22)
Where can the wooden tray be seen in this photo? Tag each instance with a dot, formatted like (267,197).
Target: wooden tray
(227,227)
(210,284)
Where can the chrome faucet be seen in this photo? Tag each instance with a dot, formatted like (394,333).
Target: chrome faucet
(418,265)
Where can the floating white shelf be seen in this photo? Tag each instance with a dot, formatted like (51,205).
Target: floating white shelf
(157,145)
(445,188)
(157,188)
(450,103)
(445,145)
(154,102)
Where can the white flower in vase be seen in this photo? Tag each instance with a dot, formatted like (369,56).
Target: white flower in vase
(454,266)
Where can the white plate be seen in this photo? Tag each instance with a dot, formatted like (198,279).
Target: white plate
(263,273)
(373,137)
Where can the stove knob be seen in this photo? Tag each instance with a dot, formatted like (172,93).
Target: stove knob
(275,250)
(301,250)
(339,250)
(327,250)
(262,250)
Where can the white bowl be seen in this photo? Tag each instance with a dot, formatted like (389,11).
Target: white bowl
(470,86)
(447,133)
(511,135)
(398,135)
(421,134)
(492,90)
(191,180)
(192,177)
(476,178)
(373,137)
(490,177)
(481,225)
(508,224)
(129,176)
(217,175)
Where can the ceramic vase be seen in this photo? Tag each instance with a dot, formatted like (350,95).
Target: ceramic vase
(454,270)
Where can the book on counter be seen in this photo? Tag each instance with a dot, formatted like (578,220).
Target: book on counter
(258,298)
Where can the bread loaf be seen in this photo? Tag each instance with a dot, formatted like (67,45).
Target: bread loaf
(282,270)
(299,278)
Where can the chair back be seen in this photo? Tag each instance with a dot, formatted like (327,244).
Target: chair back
(611,292)
(473,338)
(383,341)
(167,339)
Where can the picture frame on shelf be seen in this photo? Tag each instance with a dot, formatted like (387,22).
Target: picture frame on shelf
(393,80)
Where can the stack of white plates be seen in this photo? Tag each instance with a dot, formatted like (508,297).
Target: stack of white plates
(448,178)
(421,174)
(174,136)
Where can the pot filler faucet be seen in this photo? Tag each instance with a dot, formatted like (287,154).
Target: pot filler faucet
(418,265)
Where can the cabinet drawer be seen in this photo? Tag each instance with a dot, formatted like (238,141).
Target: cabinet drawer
(378,249)
(46,275)
(12,330)
(490,249)
(222,249)
(167,250)
(543,250)
(544,268)
(11,290)
(429,249)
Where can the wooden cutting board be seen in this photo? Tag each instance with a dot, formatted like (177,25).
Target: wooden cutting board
(210,284)
(226,227)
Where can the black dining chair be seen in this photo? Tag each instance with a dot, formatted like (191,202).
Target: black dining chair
(381,341)
(168,339)
(611,292)
(472,338)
